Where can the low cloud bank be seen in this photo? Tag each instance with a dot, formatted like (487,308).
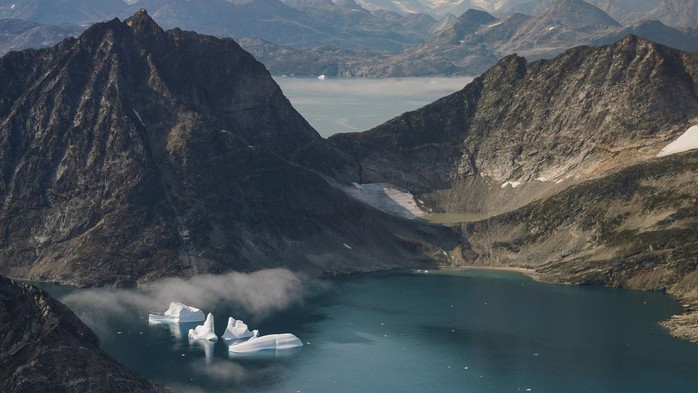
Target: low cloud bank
(259,293)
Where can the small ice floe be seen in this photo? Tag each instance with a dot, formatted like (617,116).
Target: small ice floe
(178,312)
(236,330)
(268,342)
(687,141)
(322,77)
(205,331)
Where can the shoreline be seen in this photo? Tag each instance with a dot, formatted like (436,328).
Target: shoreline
(528,272)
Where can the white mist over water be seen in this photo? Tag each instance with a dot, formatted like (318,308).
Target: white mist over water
(338,105)
(259,293)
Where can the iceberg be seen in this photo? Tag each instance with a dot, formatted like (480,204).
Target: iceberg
(236,329)
(178,312)
(270,341)
(205,331)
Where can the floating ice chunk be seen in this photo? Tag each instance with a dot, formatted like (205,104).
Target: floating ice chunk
(270,341)
(322,77)
(236,329)
(205,331)
(178,312)
(687,141)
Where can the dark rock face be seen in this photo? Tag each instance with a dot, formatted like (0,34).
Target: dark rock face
(44,347)
(132,153)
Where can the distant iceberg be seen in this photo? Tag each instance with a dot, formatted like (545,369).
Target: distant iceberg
(177,312)
(271,341)
(236,329)
(205,331)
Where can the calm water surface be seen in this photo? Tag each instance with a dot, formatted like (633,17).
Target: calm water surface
(358,104)
(455,331)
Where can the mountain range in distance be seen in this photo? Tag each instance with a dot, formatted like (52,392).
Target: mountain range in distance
(314,37)
(473,42)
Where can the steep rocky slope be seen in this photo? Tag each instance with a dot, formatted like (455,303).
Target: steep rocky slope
(132,153)
(44,347)
(561,154)
(538,124)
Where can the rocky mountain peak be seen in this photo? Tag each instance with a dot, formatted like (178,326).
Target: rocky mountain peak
(142,24)
(576,13)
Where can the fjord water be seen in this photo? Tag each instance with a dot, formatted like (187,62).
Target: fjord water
(357,104)
(443,331)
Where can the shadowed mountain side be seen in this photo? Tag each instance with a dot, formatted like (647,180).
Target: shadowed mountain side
(44,347)
(132,153)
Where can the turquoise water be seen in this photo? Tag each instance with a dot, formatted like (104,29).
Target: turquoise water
(465,331)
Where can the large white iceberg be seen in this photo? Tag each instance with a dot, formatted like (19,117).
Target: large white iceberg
(177,312)
(270,341)
(205,331)
(236,330)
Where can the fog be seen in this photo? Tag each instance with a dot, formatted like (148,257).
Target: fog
(357,104)
(259,293)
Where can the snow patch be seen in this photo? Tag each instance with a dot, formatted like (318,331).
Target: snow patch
(513,184)
(268,342)
(687,141)
(387,198)
(542,179)
(177,313)
(138,115)
(205,331)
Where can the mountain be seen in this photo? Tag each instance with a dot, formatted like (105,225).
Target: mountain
(61,11)
(473,42)
(520,122)
(18,34)
(555,161)
(678,13)
(308,23)
(44,347)
(131,153)
(576,13)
